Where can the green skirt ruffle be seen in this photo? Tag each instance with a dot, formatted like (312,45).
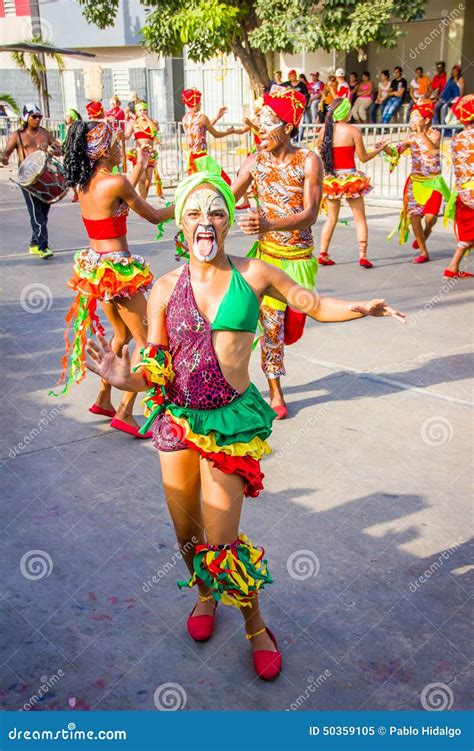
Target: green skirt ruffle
(247,417)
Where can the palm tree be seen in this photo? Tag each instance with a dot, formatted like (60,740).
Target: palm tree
(33,63)
(8,99)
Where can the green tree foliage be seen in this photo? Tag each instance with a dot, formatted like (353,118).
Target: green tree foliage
(255,29)
(33,63)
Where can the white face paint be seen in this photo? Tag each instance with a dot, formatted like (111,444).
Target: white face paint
(205,245)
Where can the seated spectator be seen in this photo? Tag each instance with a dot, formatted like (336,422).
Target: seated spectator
(453,89)
(340,88)
(363,102)
(382,93)
(396,95)
(439,80)
(420,88)
(278,77)
(315,93)
(353,84)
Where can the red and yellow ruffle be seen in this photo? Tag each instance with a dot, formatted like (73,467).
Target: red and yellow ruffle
(106,276)
(349,185)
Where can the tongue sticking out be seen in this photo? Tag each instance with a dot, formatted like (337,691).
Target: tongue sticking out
(205,245)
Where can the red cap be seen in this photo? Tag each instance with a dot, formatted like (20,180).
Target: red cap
(463,109)
(95,110)
(292,72)
(191,97)
(287,103)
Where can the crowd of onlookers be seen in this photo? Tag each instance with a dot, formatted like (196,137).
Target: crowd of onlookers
(379,100)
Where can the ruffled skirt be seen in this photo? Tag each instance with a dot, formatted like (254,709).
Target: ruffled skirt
(346,184)
(106,276)
(232,437)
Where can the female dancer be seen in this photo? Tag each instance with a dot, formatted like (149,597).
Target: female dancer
(338,142)
(461,204)
(106,271)
(145,132)
(211,423)
(197,125)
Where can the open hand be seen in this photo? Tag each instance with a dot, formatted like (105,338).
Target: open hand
(143,155)
(106,364)
(253,223)
(377,308)
(221,112)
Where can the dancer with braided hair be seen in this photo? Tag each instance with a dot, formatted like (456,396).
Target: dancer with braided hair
(106,271)
(338,143)
(210,422)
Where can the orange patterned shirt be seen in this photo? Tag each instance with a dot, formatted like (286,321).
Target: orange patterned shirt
(280,193)
(462,147)
(196,134)
(424,160)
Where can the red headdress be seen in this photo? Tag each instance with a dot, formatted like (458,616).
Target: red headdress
(95,110)
(425,108)
(191,97)
(287,103)
(463,109)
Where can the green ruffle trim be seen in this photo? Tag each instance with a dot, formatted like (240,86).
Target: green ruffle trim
(245,418)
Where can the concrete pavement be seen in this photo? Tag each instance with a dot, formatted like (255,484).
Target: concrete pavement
(366,517)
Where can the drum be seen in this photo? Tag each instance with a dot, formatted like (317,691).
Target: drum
(43,176)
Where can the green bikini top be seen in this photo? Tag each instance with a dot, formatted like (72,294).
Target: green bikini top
(239,309)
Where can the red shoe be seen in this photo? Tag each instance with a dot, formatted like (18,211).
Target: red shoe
(324,260)
(201,627)
(282,412)
(457,274)
(267,664)
(100,411)
(421,259)
(365,263)
(126,428)
(415,245)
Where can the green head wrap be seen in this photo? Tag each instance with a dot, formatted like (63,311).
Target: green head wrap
(342,110)
(209,171)
(73,115)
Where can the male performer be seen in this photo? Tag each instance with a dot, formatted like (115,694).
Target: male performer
(425,187)
(461,204)
(196,125)
(31,137)
(288,182)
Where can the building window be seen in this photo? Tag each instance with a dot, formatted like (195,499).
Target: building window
(9,7)
(121,83)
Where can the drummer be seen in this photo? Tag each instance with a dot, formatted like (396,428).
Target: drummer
(31,137)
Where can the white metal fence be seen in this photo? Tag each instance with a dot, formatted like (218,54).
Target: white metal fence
(230,152)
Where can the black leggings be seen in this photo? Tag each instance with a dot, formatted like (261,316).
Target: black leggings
(38,211)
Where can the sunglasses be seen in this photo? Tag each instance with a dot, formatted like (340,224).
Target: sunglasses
(36,117)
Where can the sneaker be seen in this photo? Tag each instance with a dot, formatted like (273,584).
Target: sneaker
(35,251)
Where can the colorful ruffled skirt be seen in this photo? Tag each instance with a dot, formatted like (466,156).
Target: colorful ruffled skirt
(97,277)
(346,184)
(232,437)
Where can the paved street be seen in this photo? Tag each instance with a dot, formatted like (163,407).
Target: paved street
(365,520)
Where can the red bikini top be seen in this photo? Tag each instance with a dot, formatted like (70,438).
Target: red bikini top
(343,157)
(110,227)
(143,134)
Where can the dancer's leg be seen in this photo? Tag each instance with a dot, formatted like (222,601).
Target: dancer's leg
(120,337)
(133,314)
(273,349)
(333,207)
(461,250)
(430,221)
(182,484)
(357,206)
(419,234)
(221,510)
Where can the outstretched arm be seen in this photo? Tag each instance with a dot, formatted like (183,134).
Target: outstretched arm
(127,193)
(323,309)
(362,153)
(256,224)
(213,131)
